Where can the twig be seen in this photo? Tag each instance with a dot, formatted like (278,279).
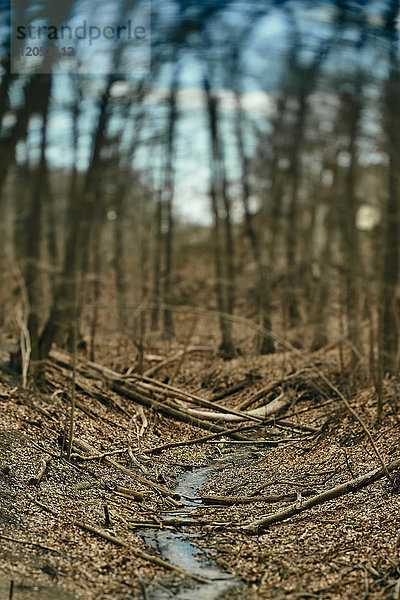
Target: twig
(44,507)
(143,588)
(366,584)
(107,521)
(136,462)
(348,463)
(25,347)
(289,425)
(27,543)
(43,466)
(22,321)
(73,380)
(129,493)
(103,455)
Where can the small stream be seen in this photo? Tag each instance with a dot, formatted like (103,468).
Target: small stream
(179,547)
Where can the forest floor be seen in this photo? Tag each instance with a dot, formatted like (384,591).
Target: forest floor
(347,548)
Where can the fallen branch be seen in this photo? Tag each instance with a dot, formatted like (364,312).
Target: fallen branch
(170,410)
(266,443)
(171,523)
(236,387)
(147,386)
(230,500)
(229,432)
(100,456)
(129,493)
(275,420)
(113,463)
(139,525)
(151,370)
(262,412)
(177,522)
(283,424)
(142,391)
(285,344)
(353,485)
(163,390)
(149,557)
(269,388)
(200,440)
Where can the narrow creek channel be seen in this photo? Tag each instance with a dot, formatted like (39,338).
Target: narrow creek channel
(179,547)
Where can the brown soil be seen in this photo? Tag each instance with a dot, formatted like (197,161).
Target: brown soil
(347,548)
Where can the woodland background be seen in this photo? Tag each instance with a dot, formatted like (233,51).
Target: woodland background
(211,241)
(252,173)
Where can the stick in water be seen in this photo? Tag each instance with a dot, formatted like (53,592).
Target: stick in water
(154,559)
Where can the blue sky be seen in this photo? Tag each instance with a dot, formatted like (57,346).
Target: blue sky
(263,43)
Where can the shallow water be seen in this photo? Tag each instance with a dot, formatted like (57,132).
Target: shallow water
(179,548)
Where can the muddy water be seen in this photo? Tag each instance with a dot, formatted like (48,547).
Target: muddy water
(180,548)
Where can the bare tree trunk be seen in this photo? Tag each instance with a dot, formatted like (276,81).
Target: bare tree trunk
(167,315)
(144,287)
(168,198)
(320,290)
(123,173)
(32,271)
(352,109)
(292,216)
(34,97)
(223,243)
(82,207)
(65,293)
(6,80)
(157,263)
(95,295)
(272,216)
(51,225)
(389,309)
(119,257)
(263,343)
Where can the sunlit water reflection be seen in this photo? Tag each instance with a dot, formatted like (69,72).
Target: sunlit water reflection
(180,549)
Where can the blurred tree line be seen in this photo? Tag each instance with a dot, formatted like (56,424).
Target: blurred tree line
(284,115)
